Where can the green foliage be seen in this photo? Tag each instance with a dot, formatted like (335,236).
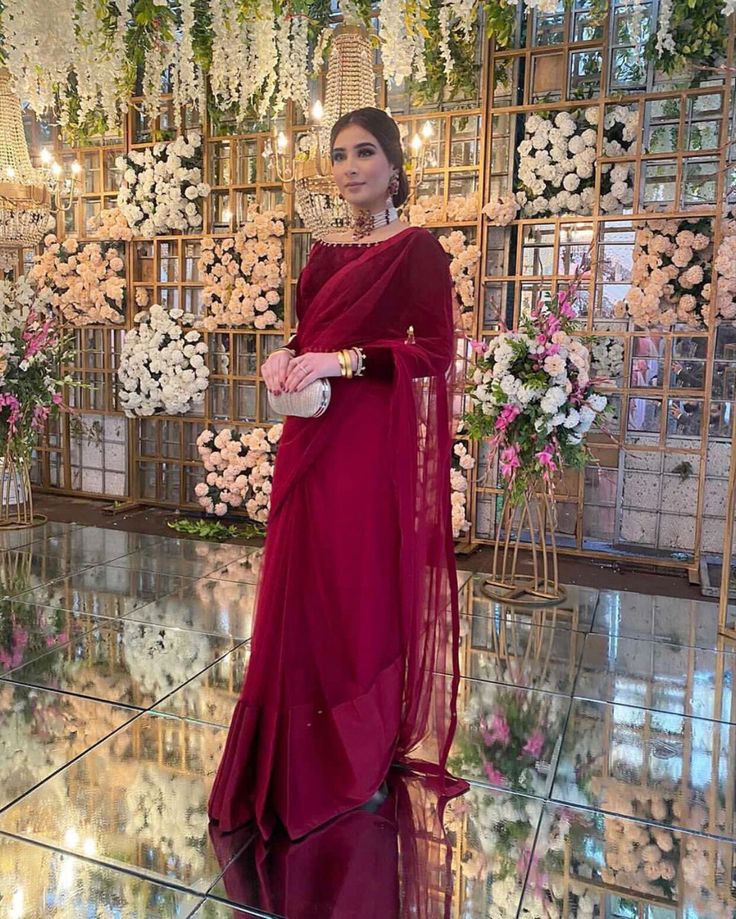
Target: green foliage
(699,31)
(213,529)
(463,81)
(500,17)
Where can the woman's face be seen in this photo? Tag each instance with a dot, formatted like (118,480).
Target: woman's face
(361,169)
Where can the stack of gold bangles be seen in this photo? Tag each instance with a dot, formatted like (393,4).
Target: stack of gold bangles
(345,359)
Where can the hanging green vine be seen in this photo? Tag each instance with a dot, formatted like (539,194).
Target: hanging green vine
(698,30)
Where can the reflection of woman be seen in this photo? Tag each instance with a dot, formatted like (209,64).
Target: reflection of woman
(357,607)
(390,864)
(644,374)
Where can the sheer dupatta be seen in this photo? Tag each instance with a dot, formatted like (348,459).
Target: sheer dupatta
(347,311)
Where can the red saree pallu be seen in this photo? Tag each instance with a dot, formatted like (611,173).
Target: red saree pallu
(354,661)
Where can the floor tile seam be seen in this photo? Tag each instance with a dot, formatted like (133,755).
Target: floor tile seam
(7,678)
(467,614)
(48,651)
(657,711)
(130,617)
(248,910)
(530,862)
(670,827)
(159,880)
(198,577)
(478,679)
(46,584)
(7,807)
(660,640)
(479,784)
(558,753)
(251,910)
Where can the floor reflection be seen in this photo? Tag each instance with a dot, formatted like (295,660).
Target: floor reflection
(599,739)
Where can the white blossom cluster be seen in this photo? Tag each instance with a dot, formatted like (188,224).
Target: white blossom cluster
(402,41)
(161,187)
(162,368)
(558,159)
(293,55)
(607,357)
(462,463)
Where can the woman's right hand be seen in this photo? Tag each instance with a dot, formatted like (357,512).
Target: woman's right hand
(275,369)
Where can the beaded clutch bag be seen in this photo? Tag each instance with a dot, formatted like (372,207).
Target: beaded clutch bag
(311,402)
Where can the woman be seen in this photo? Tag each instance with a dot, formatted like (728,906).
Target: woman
(354,648)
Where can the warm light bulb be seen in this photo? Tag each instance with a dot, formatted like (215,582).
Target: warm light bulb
(71,838)
(45,157)
(76,168)
(427,130)
(90,846)
(416,143)
(317,112)
(281,142)
(56,169)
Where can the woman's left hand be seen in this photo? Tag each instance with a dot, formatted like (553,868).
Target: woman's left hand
(314,365)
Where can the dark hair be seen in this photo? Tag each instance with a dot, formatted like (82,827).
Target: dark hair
(376,122)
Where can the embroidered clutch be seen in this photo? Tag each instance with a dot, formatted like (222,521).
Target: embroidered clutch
(311,402)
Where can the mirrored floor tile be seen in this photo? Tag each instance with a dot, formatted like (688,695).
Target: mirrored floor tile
(670,677)
(103,543)
(185,558)
(106,591)
(40,883)
(212,695)
(24,569)
(218,607)
(650,765)
(14,539)
(141,798)
(214,909)
(508,737)
(246,570)
(520,652)
(128,662)
(576,612)
(670,619)
(592,864)
(28,631)
(463,578)
(41,731)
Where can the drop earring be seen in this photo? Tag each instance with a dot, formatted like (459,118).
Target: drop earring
(393,185)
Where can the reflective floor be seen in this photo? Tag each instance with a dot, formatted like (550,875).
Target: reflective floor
(599,740)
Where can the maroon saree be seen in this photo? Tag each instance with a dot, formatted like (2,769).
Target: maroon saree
(356,625)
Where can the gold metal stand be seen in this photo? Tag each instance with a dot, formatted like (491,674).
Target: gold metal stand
(726,629)
(16,497)
(535,516)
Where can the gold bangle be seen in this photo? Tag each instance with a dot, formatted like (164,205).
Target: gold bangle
(290,351)
(341,362)
(348,364)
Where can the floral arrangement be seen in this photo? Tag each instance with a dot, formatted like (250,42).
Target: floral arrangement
(462,463)
(725,267)
(607,358)
(558,157)
(511,744)
(531,393)
(32,351)
(86,284)
(162,186)
(671,274)
(503,211)
(28,631)
(162,368)
(110,223)
(243,276)
(239,471)
(431,209)
(464,258)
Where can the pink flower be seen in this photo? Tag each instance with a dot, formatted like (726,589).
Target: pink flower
(494,776)
(498,731)
(509,461)
(57,398)
(508,414)
(534,745)
(546,457)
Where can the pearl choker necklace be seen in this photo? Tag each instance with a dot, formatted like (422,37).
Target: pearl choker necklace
(365,222)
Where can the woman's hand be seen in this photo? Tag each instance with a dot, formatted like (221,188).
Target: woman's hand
(314,365)
(274,370)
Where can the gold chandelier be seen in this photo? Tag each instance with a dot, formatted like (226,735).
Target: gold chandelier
(308,173)
(29,197)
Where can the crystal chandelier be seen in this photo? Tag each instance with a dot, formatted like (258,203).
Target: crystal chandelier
(29,197)
(308,173)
